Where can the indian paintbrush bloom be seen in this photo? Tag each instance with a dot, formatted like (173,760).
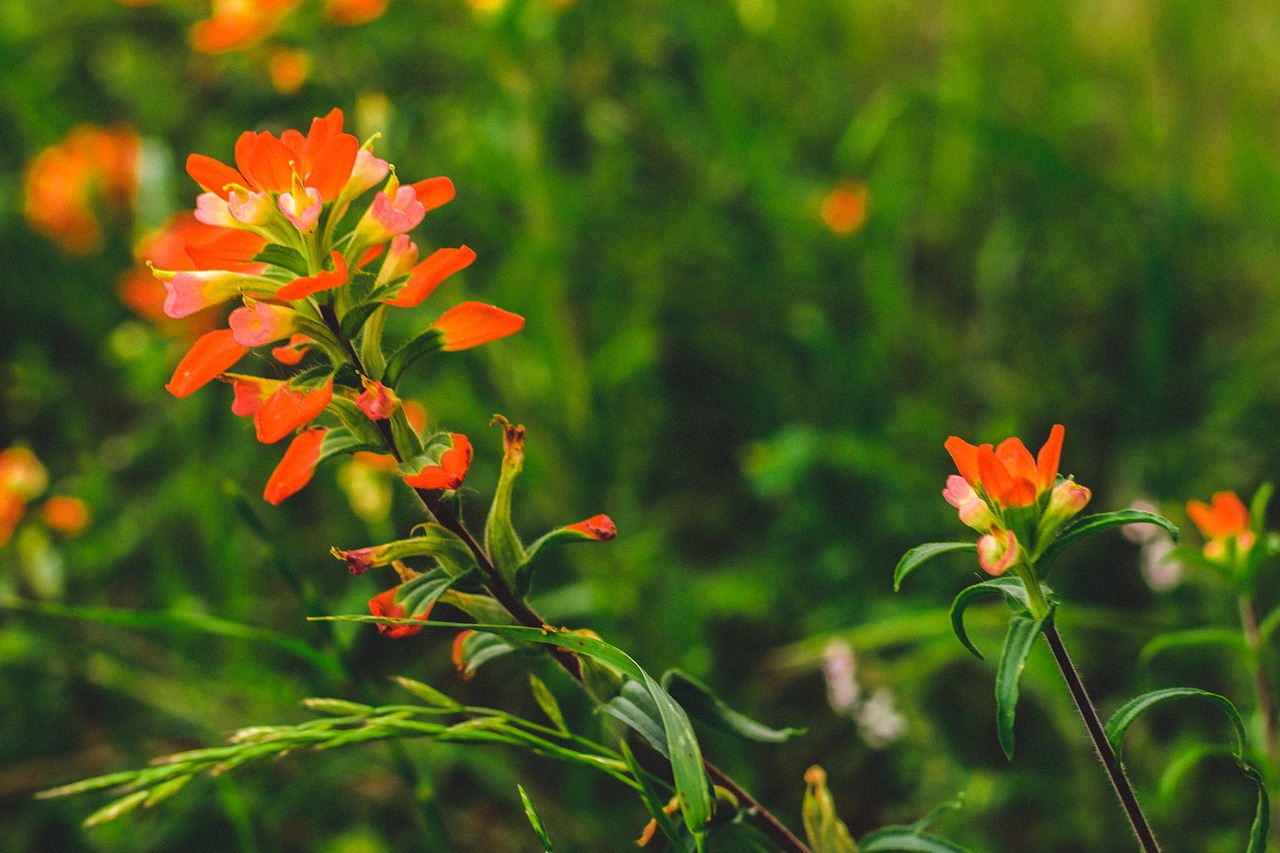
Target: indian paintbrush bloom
(1224,524)
(266,232)
(384,604)
(1017,500)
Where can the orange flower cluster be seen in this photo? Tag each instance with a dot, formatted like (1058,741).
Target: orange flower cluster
(1224,524)
(23,479)
(237,24)
(65,185)
(1016,500)
(265,231)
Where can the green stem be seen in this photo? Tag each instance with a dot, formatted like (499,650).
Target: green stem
(1264,697)
(1097,734)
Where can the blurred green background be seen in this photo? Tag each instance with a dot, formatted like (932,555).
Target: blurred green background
(1071,217)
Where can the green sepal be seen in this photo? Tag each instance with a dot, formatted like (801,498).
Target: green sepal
(285,258)
(371,354)
(339,440)
(535,820)
(1092,525)
(700,703)
(542,546)
(418,595)
(477,649)
(357,423)
(428,342)
(822,826)
(435,541)
(500,537)
(922,553)
(353,321)
(1012,588)
(1023,631)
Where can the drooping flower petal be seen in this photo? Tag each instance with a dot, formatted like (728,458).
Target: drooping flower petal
(213,353)
(471,324)
(301,288)
(288,408)
(450,472)
(427,275)
(296,467)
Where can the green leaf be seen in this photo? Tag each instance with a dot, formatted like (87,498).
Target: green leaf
(534,820)
(356,424)
(340,440)
(1268,627)
(1023,631)
(652,802)
(904,839)
(547,702)
(1092,525)
(427,342)
(418,595)
(371,343)
(635,708)
(283,257)
(117,808)
(1190,637)
(353,321)
(701,704)
(478,649)
(1261,816)
(500,538)
(1258,509)
(1180,765)
(921,553)
(1124,717)
(1010,587)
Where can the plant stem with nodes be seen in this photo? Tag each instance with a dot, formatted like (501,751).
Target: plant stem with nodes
(1093,723)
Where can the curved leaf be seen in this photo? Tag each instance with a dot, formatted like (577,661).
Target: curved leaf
(652,802)
(1092,525)
(1124,717)
(535,820)
(354,319)
(1189,637)
(1261,816)
(427,342)
(1023,631)
(1010,587)
(699,702)
(903,839)
(922,553)
(1180,766)
(417,595)
(635,708)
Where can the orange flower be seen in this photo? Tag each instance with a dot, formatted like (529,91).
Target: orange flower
(1008,475)
(301,288)
(471,324)
(238,23)
(296,467)
(384,604)
(213,353)
(324,159)
(844,210)
(1223,523)
(67,515)
(288,408)
(599,527)
(350,13)
(63,183)
(451,470)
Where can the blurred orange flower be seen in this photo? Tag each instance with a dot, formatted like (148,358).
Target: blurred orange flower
(844,210)
(64,185)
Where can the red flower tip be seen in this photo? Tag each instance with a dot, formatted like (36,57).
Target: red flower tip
(384,604)
(451,470)
(426,276)
(212,353)
(599,527)
(464,671)
(292,352)
(297,466)
(288,408)
(474,323)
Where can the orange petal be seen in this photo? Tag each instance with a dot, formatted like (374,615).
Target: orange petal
(67,515)
(434,192)
(212,175)
(427,275)
(287,409)
(965,455)
(212,353)
(474,323)
(599,527)
(384,604)
(1015,457)
(1049,458)
(297,466)
(301,288)
(993,476)
(450,472)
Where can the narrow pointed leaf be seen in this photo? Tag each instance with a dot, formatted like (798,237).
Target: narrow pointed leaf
(284,258)
(428,694)
(427,342)
(1010,587)
(922,553)
(1261,816)
(1229,641)
(701,704)
(1023,631)
(417,596)
(547,702)
(116,809)
(635,708)
(1124,717)
(534,820)
(353,321)
(1092,525)
(652,801)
